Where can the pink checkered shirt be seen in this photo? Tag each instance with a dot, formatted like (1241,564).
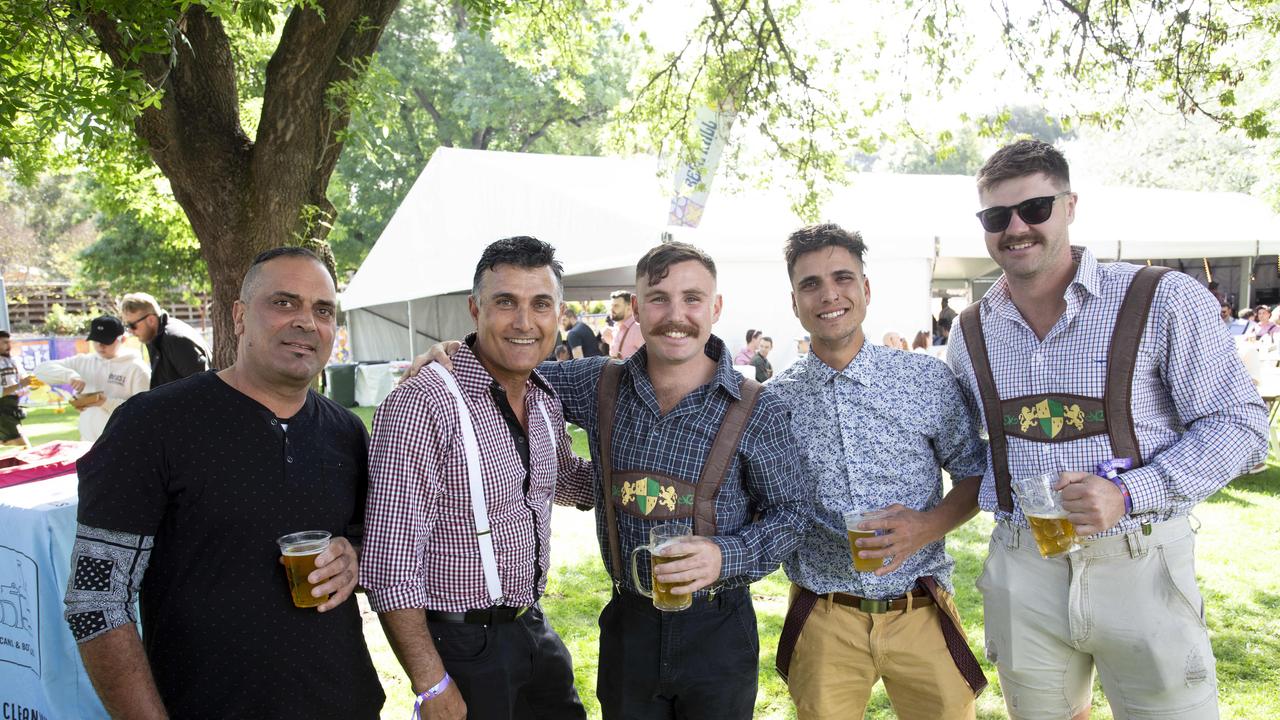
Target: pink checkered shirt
(420,548)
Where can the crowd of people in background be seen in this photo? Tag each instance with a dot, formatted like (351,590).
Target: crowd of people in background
(111,373)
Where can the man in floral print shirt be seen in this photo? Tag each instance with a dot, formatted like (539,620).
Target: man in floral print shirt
(876,427)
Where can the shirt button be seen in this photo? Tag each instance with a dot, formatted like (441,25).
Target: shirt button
(273,421)
(289,459)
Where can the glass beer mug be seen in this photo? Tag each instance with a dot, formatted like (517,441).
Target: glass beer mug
(662,536)
(1054,534)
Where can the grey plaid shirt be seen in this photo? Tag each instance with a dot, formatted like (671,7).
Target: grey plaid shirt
(765,474)
(1199,419)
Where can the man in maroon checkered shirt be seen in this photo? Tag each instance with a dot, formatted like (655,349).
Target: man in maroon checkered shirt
(463,471)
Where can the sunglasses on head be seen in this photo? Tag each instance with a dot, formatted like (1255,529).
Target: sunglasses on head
(1033,211)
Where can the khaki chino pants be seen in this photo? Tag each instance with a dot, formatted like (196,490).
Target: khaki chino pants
(843,651)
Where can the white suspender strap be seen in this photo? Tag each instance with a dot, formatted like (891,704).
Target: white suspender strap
(551,435)
(479,509)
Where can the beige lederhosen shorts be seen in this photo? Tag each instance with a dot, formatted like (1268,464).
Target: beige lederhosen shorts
(1126,604)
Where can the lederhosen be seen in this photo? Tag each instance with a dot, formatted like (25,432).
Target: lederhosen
(1058,417)
(653,495)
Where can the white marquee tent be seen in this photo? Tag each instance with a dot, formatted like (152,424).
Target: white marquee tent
(601,214)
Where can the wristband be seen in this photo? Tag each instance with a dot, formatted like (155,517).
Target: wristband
(1111,469)
(430,693)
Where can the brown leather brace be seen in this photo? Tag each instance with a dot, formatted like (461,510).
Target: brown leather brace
(714,470)
(1122,356)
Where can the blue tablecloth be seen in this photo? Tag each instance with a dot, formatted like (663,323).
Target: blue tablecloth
(41,675)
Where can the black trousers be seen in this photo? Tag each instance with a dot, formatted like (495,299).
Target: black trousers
(698,663)
(513,671)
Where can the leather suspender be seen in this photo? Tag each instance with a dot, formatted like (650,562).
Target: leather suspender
(971,326)
(714,470)
(1122,358)
(607,403)
(723,448)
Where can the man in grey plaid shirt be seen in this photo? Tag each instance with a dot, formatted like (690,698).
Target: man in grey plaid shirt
(1072,363)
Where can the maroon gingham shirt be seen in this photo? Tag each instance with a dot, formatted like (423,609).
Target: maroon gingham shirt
(420,548)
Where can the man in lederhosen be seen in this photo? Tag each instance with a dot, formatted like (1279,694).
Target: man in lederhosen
(1081,368)
(876,427)
(679,436)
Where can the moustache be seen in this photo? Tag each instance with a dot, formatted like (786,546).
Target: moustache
(676,327)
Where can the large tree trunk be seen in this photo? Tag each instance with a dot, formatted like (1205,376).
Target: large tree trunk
(246,195)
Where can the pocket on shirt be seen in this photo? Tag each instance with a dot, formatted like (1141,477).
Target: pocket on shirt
(461,642)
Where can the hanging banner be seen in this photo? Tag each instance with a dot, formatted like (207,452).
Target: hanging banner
(693,181)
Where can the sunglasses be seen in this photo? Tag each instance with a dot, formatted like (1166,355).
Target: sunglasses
(136,323)
(1032,211)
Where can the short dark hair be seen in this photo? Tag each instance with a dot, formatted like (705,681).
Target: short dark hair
(247,285)
(1022,158)
(815,237)
(624,294)
(767,339)
(4,334)
(656,264)
(521,251)
(752,334)
(568,311)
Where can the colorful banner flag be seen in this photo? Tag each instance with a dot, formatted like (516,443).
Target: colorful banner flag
(693,181)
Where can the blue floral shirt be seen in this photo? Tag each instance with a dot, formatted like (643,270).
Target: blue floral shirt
(876,433)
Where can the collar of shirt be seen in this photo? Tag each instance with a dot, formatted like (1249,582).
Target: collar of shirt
(861,369)
(475,381)
(1087,283)
(637,367)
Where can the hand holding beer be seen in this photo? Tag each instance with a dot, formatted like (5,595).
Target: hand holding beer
(898,532)
(322,571)
(1094,504)
(855,524)
(1041,503)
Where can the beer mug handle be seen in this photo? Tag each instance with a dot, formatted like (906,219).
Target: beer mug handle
(635,573)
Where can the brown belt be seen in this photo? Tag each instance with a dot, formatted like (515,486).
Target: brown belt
(869,605)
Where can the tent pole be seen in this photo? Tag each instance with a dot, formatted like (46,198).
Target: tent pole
(1246,283)
(412,329)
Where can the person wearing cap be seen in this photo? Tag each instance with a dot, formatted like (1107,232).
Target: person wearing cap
(102,379)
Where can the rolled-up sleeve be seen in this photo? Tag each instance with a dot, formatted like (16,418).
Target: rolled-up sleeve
(410,433)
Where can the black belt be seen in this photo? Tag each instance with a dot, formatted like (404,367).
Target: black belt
(496,615)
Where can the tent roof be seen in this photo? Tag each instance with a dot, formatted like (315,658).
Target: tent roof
(602,213)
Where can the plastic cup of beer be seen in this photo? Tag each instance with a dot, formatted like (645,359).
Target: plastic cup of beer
(1042,505)
(662,537)
(851,520)
(300,551)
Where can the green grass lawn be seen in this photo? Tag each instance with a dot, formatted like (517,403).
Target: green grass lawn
(1238,547)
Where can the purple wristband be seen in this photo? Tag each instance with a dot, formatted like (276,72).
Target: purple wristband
(430,693)
(1111,469)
